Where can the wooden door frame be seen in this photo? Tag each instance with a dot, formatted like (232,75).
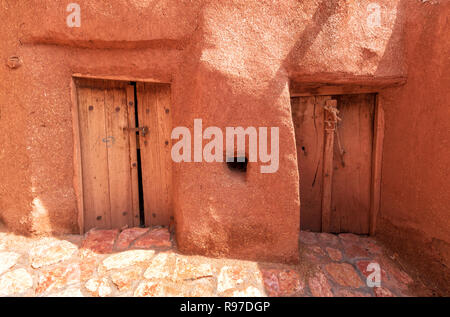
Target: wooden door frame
(377,160)
(377,145)
(77,161)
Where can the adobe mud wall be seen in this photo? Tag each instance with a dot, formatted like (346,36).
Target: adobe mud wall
(415,199)
(228,64)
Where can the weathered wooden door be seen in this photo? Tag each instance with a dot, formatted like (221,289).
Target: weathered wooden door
(108,154)
(335,161)
(111,143)
(154,112)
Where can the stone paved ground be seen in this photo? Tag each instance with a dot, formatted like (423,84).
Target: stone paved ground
(144,262)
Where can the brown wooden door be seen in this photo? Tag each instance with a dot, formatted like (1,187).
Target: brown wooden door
(108,154)
(154,113)
(335,165)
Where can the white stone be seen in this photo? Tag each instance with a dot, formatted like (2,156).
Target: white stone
(17,281)
(225,279)
(250,291)
(143,290)
(69,292)
(127,258)
(98,287)
(51,253)
(159,267)
(8,260)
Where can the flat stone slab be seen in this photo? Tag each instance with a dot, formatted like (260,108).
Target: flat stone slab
(319,285)
(15,282)
(344,274)
(51,253)
(100,241)
(124,279)
(58,277)
(279,282)
(8,260)
(98,287)
(127,258)
(127,236)
(154,238)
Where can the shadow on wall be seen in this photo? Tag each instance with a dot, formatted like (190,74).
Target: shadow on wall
(324,11)
(413,218)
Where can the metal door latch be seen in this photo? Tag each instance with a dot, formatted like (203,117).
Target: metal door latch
(142,130)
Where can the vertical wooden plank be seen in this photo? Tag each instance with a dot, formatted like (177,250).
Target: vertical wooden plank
(352,174)
(144,111)
(151,150)
(308,125)
(133,156)
(165,145)
(144,116)
(329,128)
(153,99)
(117,144)
(94,158)
(377,159)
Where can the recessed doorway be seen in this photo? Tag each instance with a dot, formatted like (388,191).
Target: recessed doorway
(339,157)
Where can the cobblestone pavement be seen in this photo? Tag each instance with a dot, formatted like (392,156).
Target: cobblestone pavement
(145,262)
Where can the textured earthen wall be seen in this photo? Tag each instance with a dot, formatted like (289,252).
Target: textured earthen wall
(229,64)
(415,200)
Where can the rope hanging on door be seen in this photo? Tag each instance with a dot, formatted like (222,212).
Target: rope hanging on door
(334,112)
(331,118)
(341,149)
(331,125)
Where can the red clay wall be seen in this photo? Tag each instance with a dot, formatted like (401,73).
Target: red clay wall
(415,200)
(229,63)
